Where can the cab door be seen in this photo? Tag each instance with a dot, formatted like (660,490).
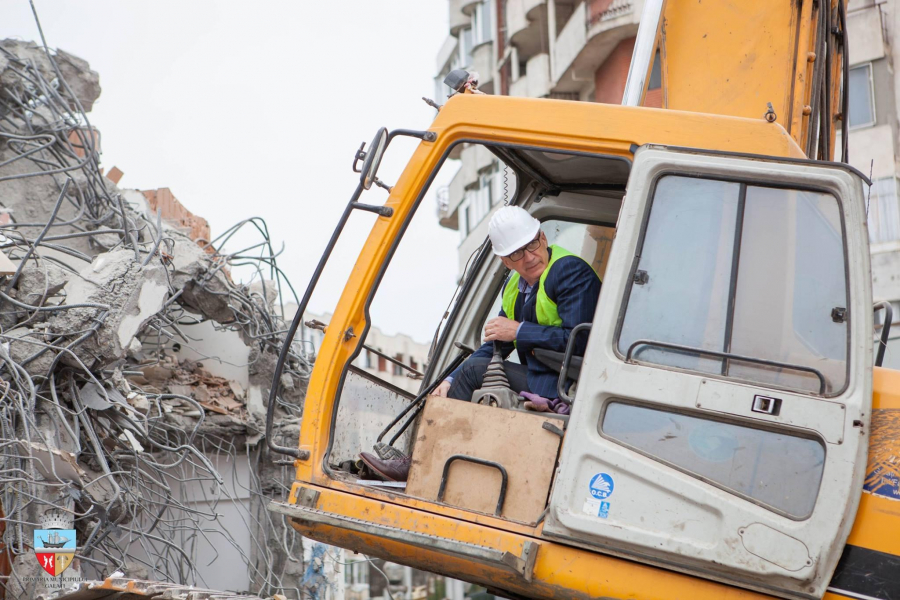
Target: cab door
(720,423)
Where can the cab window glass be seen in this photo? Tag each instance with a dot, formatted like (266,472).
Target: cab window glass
(776,469)
(743,281)
(413,298)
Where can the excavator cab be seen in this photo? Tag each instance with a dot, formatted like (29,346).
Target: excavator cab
(719,425)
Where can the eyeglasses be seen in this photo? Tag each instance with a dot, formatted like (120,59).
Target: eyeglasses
(530,247)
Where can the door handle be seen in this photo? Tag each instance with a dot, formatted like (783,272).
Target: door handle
(564,370)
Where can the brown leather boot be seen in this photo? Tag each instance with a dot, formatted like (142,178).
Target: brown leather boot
(396,469)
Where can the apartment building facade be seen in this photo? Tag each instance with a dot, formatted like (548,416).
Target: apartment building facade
(581,50)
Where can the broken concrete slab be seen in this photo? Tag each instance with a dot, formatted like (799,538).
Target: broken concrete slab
(119,338)
(6,266)
(24,343)
(205,289)
(134,295)
(53,464)
(83,82)
(40,279)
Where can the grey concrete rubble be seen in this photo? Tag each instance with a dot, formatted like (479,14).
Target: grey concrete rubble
(41,282)
(135,364)
(133,294)
(136,589)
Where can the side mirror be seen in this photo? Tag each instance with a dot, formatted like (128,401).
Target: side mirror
(372,158)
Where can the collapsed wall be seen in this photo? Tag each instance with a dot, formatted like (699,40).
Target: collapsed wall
(116,407)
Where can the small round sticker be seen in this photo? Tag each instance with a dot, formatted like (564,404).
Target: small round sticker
(602,486)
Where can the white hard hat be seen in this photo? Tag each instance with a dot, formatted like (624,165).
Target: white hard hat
(511,228)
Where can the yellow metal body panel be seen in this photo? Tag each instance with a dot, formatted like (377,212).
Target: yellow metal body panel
(877,523)
(559,571)
(554,124)
(733,57)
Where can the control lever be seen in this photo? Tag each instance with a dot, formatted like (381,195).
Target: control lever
(495,390)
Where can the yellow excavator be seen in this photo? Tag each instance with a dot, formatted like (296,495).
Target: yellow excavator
(731,433)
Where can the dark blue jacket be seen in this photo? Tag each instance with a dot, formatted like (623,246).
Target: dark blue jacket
(575,288)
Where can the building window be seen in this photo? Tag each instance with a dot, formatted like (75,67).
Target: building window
(465,47)
(655,82)
(480,197)
(413,364)
(473,210)
(862,96)
(369,361)
(463,220)
(382,364)
(398,370)
(487,179)
(884,212)
(482,23)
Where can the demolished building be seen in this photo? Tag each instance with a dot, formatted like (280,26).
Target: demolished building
(134,362)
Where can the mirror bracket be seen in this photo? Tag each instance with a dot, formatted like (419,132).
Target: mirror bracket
(359,156)
(383,211)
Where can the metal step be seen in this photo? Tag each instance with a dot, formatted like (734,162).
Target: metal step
(522,566)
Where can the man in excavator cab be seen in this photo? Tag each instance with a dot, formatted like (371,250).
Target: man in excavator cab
(548,292)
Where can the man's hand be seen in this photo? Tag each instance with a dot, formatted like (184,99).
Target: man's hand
(442,389)
(500,329)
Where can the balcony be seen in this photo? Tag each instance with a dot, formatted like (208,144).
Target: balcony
(570,40)
(618,18)
(865,29)
(474,157)
(458,19)
(483,64)
(519,87)
(468,6)
(526,26)
(604,10)
(884,213)
(450,199)
(587,39)
(445,55)
(442,205)
(536,81)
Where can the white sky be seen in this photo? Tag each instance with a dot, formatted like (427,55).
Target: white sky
(256,109)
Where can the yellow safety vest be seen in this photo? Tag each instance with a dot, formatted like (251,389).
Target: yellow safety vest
(547,315)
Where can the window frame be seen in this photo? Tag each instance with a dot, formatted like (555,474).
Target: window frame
(464,53)
(635,262)
(479,258)
(482,16)
(871,96)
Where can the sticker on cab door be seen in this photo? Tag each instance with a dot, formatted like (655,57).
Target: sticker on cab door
(596,508)
(602,486)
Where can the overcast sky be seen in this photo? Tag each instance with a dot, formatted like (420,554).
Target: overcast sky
(256,109)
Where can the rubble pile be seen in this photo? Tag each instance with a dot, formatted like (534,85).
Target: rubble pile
(105,410)
(176,378)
